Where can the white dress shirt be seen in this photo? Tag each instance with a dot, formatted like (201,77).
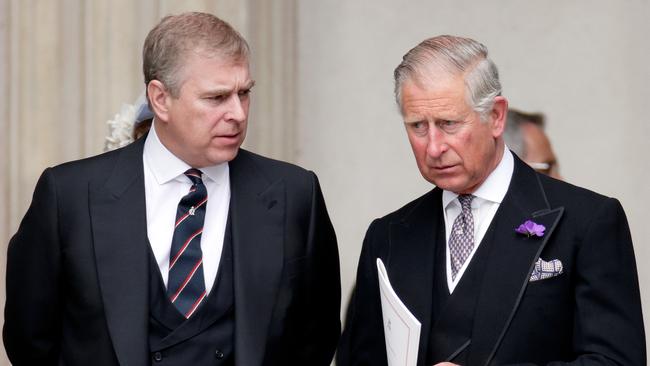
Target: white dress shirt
(487,199)
(165,184)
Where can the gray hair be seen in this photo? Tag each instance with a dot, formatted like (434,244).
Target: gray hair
(513,135)
(455,55)
(168,44)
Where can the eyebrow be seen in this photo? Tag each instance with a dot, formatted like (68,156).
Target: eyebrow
(413,121)
(414,117)
(247,85)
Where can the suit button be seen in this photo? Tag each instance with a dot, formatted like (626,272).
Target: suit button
(157,357)
(218,354)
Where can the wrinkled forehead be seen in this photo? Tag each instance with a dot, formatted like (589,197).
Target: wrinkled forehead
(434,86)
(223,56)
(209,62)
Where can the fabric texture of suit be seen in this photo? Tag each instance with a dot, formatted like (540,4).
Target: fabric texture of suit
(78,267)
(174,340)
(588,315)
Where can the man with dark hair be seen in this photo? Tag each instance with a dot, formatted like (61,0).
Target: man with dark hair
(525,136)
(501,265)
(181,248)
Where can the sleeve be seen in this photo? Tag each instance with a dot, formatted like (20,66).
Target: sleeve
(362,342)
(608,326)
(322,325)
(32,328)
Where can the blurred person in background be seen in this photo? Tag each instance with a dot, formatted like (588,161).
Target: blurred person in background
(525,136)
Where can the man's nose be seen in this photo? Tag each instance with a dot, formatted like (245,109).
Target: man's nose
(436,144)
(236,111)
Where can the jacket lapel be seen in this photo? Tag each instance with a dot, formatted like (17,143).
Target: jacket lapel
(257,208)
(411,259)
(118,216)
(510,260)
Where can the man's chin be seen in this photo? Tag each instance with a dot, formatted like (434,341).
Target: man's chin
(447,184)
(225,156)
(216,158)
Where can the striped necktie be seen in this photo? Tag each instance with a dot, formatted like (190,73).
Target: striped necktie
(186,285)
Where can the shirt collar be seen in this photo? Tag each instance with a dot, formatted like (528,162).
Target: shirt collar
(495,187)
(165,166)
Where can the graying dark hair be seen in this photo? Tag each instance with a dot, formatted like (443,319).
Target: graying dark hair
(168,44)
(455,55)
(513,135)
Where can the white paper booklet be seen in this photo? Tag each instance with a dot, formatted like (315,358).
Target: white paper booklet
(401,328)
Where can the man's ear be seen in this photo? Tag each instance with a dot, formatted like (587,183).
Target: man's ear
(498,116)
(159,98)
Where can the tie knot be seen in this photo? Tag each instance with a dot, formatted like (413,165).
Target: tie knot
(465,201)
(194,175)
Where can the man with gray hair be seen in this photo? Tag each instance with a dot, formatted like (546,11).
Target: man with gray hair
(501,265)
(180,248)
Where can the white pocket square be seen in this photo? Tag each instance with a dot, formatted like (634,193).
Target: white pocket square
(544,269)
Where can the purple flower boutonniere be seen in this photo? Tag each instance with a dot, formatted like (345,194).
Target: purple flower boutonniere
(530,228)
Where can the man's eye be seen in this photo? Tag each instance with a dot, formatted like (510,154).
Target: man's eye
(217,98)
(448,126)
(417,127)
(243,94)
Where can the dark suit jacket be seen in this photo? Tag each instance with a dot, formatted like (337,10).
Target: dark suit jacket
(78,267)
(589,315)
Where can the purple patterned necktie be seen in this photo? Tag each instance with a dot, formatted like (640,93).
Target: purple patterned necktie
(461,240)
(185,285)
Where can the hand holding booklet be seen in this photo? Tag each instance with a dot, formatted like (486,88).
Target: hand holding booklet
(401,328)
